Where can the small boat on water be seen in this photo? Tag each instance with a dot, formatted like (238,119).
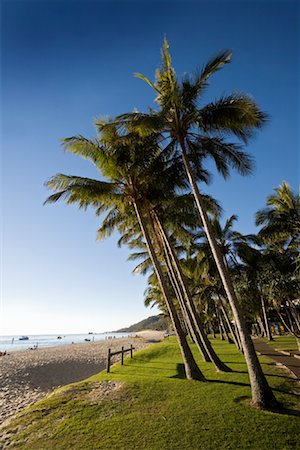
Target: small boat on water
(23,338)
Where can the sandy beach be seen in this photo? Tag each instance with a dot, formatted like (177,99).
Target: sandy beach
(28,375)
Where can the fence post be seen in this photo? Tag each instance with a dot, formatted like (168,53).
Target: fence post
(122,359)
(130,350)
(108,361)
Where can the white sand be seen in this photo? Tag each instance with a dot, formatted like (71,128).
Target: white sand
(27,375)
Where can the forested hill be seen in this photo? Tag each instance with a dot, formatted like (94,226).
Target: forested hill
(159,323)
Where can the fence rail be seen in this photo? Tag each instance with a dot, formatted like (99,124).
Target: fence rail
(120,352)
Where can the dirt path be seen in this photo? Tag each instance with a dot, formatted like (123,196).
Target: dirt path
(290,362)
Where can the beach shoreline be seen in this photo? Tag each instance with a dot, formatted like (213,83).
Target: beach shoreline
(26,376)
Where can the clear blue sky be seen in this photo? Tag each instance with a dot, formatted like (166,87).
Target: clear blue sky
(65,63)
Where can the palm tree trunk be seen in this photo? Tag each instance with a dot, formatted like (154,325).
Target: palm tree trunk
(177,294)
(261,327)
(212,329)
(220,325)
(295,313)
(289,316)
(191,369)
(262,395)
(238,336)
(266,322)
(185,311)
(190,303)
(230,327)
(228,338)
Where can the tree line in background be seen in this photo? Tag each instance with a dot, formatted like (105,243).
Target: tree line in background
(202,274)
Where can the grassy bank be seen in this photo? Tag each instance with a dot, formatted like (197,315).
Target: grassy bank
(151,406)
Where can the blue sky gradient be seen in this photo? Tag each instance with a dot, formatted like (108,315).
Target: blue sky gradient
(65,63)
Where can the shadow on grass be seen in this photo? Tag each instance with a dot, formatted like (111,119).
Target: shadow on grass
(283,391)
(288,412)
(234,383)
(243,362)
(269,375)
(239,383)
(180,372)
(281,411)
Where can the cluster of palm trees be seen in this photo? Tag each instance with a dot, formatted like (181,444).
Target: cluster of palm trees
(271,267)
(151,166)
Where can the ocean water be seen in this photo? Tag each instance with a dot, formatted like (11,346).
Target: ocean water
(11,343)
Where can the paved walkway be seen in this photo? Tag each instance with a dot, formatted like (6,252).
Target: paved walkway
(290,362)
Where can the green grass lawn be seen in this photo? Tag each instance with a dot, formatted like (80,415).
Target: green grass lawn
(285,342)
(156,408)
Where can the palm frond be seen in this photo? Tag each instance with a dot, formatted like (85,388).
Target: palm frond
(237,114)
(142,77)
(83,191)
(193,87)
(86,148)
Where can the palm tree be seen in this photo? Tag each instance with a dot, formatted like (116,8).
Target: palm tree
(173,213)
(280,219)
(129,162)
(187,298)
(199,133)
(207,286)
(280,232)
(254,263)
(228,240)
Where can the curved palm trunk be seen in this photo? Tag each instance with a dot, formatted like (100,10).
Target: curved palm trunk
(266,322)
(290,319)
(262,395)
(220,326)
(231,330)
(238,337)
(190,303)
(228,338)
(261,327)
(179,297)
(212,329)
(185,309)
(295,313)
(184,318)
(191,369)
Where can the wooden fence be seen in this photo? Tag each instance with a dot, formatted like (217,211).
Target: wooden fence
(121,352)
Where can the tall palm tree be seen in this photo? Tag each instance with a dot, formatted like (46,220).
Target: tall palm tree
(198,133)
(228,239)
(280,220)
(129,162)
(176,212)
(203,276)
(280,232)
(254,262)
(183,286)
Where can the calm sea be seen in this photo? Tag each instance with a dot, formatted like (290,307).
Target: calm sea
(10,343)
